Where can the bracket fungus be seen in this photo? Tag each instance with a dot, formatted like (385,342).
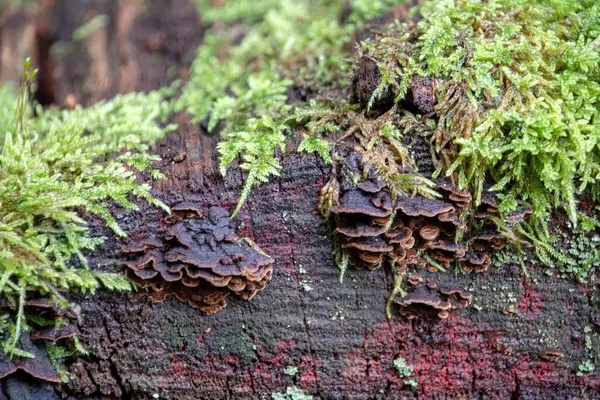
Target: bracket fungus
(425,300)
(551,355)
(38,367)
(200,261)
(419,231)
(52,328)
(377,224)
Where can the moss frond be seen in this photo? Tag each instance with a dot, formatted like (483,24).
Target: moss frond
(257,144)
(54,166)
(519,93)
(314,144)
(236,82)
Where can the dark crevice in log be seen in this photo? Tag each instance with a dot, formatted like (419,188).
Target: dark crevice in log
(44,94)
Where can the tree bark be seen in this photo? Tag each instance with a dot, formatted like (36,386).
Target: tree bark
(336,334)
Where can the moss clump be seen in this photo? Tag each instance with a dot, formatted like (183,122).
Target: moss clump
(53,167)
(241,81)
(235,10)
(8,106)
(518,88)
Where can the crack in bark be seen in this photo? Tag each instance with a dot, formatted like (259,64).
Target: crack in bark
(516,395)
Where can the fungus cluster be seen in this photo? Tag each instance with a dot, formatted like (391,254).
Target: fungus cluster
(424,298)
(199,260)
(52,327)
(410,231)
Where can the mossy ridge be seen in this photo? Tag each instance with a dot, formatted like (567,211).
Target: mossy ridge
(379,140)
(509,100)
(244,86)
(53,167)
(519,94)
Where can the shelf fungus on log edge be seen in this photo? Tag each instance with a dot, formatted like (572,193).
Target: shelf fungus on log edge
(53,329)
(427,299)
(375,227)
(199,260)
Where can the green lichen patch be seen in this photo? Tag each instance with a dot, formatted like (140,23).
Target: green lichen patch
(578,254)
(291,370)
(592,350)
(405,371)
(292,393)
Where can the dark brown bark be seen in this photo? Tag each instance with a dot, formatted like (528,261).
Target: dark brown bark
(335,333)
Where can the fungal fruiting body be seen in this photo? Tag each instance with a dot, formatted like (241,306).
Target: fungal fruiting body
(377,226)
(199,260)
(52,328)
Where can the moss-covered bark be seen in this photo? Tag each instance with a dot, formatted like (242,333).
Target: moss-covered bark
(336,334)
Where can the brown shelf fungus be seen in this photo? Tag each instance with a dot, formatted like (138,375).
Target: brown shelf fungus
(38,367)
(376,224)
(551,355)
(200,261)
(422,301)
(52,327)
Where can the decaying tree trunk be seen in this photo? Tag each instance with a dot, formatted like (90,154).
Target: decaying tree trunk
(336,334)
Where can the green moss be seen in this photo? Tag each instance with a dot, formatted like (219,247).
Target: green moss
(242,86)
(256,142)
(315,144)
(397,290)
(8,109)
(234,10)
(57,353)
(365,10)
(519,94)
(53,167)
